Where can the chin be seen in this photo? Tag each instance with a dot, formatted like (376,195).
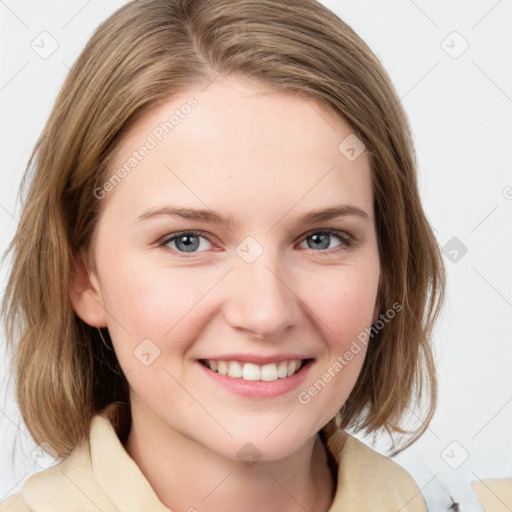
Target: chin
(259,446)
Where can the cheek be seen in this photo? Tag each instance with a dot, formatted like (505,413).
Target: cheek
(343,306)
(146,302)
(343,302)
(170,307)
(154,320)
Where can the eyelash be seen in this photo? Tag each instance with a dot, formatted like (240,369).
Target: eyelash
(346,241)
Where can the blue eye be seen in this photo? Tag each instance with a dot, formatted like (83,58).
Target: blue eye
(185,242)
(322,240)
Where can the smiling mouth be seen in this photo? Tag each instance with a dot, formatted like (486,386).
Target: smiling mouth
(254,372)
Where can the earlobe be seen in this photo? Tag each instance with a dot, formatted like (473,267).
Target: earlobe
(85,293)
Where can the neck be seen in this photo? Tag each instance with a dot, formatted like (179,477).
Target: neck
(188,476)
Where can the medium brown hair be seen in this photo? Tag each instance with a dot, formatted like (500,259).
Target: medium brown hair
(148,50)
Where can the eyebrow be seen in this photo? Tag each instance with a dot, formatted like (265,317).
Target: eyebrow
(212,217)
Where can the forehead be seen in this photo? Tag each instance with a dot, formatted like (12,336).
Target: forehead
(243,142)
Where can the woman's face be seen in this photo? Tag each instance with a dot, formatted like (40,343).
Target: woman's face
(260,279)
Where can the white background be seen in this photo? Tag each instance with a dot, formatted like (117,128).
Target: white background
(460,111)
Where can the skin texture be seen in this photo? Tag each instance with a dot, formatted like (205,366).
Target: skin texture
(264,158)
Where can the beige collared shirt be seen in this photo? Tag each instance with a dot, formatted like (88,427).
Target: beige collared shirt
(101,476)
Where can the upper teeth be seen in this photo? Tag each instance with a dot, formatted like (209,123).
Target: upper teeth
(251,371)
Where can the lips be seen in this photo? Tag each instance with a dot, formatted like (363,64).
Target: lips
(250,371)
(255,376)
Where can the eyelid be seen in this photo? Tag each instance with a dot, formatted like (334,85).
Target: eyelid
(336,232)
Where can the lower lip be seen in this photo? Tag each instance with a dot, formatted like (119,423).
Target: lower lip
(259,388)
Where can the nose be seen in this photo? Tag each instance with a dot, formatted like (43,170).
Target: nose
(262,300)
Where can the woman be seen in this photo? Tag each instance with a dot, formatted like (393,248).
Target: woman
(223,263)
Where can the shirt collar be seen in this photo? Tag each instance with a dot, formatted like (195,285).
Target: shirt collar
(117,473)
(126,486)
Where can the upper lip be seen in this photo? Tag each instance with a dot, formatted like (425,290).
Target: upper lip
(258,359)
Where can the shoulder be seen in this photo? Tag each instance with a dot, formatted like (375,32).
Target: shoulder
(370,481)
(98,475)
(14,503)
(68,483)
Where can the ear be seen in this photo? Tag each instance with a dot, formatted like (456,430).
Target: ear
(85,293)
